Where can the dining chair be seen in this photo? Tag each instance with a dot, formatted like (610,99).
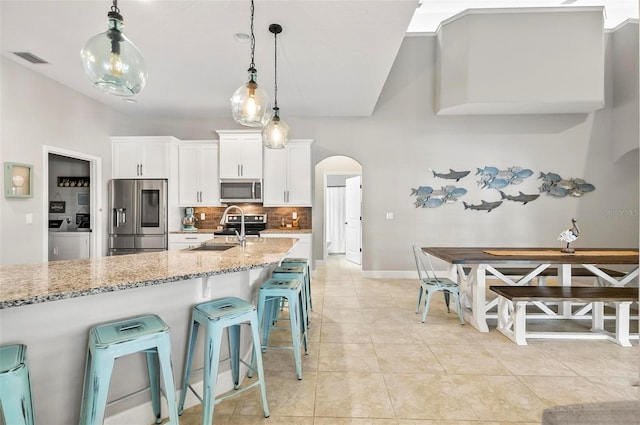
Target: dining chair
(430,285)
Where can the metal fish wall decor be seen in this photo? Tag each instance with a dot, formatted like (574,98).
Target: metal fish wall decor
(494,178)
(556,186)
(427,197)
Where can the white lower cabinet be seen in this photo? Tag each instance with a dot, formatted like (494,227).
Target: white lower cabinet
(178,241)
(300,250)
(69,245)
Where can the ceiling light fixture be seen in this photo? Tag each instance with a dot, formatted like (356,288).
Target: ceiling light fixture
(250,104)
(275,135)
(112,62)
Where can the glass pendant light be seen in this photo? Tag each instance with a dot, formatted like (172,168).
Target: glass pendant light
(250,104)
(275,135)
(112,62)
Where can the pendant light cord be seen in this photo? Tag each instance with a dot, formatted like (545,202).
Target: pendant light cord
(252,66)
(275,71)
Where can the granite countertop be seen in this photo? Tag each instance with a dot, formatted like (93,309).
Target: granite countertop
(24,284)
(286,230)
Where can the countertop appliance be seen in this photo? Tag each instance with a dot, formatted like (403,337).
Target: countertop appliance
(189,220)
(137,216)
(253,225)
(234,191)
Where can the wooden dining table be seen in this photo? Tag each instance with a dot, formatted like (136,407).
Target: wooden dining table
(470,267)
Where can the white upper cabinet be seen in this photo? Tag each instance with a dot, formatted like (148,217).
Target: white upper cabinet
(147,157)
(199,183)
(287,175)
(240,154)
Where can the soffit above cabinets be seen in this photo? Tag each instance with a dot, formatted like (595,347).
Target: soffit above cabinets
(521,61)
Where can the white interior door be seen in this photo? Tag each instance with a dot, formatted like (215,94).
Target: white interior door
(353,212)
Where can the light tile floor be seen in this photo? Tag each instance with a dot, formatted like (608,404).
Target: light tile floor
(372,362)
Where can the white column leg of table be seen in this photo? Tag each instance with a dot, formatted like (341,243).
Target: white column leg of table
(478,317)
(564,279)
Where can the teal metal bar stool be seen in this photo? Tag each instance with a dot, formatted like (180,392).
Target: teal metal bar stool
(15,386)
(269,296)
(217,315)
(302,262)
(109,341)
(296,272)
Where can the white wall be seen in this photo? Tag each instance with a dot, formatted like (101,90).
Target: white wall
(37,111)
(395,146)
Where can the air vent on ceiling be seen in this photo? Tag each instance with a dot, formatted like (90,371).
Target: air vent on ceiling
(30,57)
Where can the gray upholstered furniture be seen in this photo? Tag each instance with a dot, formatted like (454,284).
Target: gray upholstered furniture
(605,413)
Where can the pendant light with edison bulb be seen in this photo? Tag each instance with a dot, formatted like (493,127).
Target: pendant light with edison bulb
(275,135)
(112,62)
(250,104)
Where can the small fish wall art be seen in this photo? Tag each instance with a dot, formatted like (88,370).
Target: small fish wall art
(494,178)
(484,206)
(556,186)
(452,175)
(427,197)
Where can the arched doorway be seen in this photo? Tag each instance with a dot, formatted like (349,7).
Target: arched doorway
(330,201)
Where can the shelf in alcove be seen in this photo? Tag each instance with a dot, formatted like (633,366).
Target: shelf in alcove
(73,181)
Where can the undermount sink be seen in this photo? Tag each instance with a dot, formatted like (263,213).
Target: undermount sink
(215,247)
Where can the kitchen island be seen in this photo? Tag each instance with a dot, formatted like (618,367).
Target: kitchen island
(50,307)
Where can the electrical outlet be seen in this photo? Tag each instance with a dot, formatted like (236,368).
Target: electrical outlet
(294,215)
(201,216)
(389,216)
(29,218)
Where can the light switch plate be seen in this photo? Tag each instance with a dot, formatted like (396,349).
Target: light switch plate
(29,218)
(389,216)
(201,216)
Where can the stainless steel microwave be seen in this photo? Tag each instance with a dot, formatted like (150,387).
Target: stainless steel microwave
(240,191)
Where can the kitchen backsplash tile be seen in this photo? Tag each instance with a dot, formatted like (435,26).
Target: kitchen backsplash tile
(275,215)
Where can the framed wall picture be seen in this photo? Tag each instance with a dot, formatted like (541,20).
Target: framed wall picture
(18,180)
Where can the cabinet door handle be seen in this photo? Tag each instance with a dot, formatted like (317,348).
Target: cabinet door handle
(141,173)
(191,238)
(238,170)
(284,196)
(242,170)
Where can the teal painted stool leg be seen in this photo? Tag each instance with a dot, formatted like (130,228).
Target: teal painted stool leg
(426,306)
(257,360)
(295,336)
(166,365)
(191,342)
(213,342)
(100,375)
(15,386)
(153,366)
(234,353)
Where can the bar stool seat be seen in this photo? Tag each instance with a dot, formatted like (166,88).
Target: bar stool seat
(15,386)
(109,341)
(269,295)
(217,315)
(302,262)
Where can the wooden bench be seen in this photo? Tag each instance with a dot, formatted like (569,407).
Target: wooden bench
(552,272)
(512,303)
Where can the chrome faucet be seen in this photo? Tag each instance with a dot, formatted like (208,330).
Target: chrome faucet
(242,238)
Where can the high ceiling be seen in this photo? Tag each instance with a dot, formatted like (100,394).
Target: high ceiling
(333,55)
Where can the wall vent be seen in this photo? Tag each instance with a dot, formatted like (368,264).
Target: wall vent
(30,57)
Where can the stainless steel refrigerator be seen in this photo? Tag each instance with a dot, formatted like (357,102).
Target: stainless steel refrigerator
(138,216)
